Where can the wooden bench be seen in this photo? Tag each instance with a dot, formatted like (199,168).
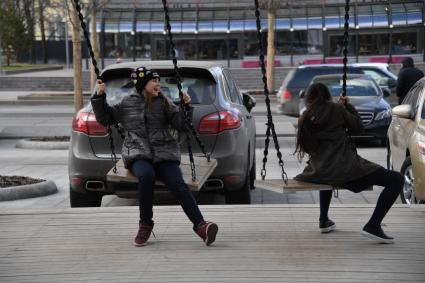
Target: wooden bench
(294,185)
(203,170)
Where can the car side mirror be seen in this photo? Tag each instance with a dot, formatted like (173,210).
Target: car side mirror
(402,111)
(386,92)
(301,93)
(248,101)
(388,82)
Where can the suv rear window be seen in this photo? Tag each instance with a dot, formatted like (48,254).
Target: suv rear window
(303,77)
(201,90)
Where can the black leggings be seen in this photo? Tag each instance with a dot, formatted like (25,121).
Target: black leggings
(391,180)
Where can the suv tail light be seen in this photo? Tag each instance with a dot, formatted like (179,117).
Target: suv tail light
(286,95)
(217,122)
(86,123)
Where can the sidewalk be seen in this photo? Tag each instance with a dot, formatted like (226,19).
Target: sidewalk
(257,243)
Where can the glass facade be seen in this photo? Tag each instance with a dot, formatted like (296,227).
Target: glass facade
(220,33)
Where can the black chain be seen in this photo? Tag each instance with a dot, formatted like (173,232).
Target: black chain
(345,48)
(270,124)
(189,124)
(96,70)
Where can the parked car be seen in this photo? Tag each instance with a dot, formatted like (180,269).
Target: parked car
(221,116)
(298,79)
(368,99)
(406,143)
(381,73)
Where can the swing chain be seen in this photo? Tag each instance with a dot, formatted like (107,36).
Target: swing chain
(270,124)
(96,70)
(86,35)
(189,124)
(345,48)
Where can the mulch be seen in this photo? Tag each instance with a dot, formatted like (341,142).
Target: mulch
(11,181)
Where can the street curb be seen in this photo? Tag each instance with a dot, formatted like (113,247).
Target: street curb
(28,191)
(28,144)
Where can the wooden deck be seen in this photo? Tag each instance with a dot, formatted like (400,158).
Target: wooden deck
(257,243)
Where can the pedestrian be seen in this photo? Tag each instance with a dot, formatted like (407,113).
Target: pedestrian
(324,131)
(407,77)
(149,150)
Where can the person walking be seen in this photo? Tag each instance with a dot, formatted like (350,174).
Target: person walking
(324,131)
(407,77)
(149,150)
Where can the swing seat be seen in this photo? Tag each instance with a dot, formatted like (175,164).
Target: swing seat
(293,185)
(203,170)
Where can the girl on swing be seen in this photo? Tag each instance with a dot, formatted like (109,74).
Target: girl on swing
(323,133)
(149,151)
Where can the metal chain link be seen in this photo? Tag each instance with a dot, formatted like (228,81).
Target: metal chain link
(96,70)
(189,124)
(345,48)
(270,124)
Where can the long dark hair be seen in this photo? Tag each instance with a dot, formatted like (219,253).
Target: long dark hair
(164,100)
(316,96)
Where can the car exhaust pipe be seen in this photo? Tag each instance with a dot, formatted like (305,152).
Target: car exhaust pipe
(214,184)
(95,186)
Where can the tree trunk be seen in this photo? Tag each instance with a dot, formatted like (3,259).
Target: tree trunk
(29,16)
(270,50)
(43,32)
(77,64)
(93,39)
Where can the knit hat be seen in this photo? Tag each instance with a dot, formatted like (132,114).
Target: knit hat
(141,76)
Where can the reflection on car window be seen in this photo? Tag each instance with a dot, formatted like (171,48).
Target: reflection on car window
(303,77)
(376,75)
(355,87)
(234,91)
(412,96)
(423,109)
(201,91)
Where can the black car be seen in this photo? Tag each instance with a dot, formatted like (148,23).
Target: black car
(368,99)
(299,78)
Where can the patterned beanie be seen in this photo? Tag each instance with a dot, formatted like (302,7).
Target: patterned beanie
(141,76)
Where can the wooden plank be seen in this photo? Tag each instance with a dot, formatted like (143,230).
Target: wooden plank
(203,170)
(293,185)
(259,243)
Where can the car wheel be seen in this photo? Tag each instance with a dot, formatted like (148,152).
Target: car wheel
(253,175)
(407,195)
(389,158)
(88,199)
(242,196)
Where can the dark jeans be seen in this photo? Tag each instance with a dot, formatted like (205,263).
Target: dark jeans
(170,174)
(392,182)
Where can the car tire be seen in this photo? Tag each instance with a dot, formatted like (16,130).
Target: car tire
(407,194)
(253,175)
(88,199)
(241,196)
(389,158)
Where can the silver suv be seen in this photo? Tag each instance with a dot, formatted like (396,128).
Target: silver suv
(221,117)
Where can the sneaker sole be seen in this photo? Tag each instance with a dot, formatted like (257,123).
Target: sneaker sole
(139,245)
(327,229)
(211,232)
(376,238)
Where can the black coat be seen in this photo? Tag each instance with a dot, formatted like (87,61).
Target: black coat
(147,129)
(406,79)
(335,160)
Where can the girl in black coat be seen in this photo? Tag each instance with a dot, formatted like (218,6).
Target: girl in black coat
(324,131)
(149,151)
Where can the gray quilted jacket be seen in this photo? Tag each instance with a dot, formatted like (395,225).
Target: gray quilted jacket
(147,129)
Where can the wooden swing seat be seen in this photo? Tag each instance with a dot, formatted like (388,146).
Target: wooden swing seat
(294,185)
(203,170)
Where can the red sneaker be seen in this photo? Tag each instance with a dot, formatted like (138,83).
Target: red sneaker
(143,235)
(207,231)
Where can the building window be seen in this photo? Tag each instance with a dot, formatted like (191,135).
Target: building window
(251,43)
(336,45)
(373,44)
(404,43)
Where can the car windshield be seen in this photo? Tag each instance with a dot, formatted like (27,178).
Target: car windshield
(201,90)
(355,87)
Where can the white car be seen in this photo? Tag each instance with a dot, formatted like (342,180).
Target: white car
(406,143)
